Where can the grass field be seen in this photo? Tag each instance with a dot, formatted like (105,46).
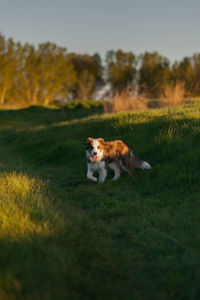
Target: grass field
(63,237)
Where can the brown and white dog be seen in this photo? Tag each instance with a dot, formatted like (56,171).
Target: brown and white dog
(113,154)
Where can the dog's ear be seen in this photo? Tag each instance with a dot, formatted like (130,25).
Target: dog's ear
(88,141)
(101,140)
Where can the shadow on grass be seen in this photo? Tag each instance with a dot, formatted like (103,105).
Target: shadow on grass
(37,115)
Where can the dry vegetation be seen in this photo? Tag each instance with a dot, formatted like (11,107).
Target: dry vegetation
(124,104)
(172,96)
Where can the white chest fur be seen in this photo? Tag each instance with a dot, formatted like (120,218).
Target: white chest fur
(96,166)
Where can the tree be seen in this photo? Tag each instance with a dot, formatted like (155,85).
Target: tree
(45,73)
(154,74)
(57,72)
(196,68)
(188,72)
(7,67)
(88,72)
(121,69)
(85,85)
(183,72)
(27,85)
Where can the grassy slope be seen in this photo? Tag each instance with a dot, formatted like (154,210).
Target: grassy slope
(64,237)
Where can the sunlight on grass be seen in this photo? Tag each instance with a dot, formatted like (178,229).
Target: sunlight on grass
(23,206)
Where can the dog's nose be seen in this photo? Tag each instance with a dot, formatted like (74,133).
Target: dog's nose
(95,153)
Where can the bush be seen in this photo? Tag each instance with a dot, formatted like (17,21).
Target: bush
(83,104)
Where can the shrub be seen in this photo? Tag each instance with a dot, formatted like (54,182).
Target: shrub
(83,104)
(124,104)
(174,95)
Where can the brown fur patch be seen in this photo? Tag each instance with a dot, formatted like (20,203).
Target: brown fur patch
(114,149)
(88,141)
(117,151)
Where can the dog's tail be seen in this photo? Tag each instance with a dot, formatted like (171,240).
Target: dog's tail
(138,163)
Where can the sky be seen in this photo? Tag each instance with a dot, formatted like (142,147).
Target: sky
(170,27)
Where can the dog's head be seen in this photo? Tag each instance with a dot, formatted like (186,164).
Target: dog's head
(94,149)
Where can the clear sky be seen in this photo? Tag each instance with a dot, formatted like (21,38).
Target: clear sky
(171,27)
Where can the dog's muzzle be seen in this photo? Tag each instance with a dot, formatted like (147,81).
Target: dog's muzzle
(94,157)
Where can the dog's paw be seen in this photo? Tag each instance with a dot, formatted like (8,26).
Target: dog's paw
(101,180)
(94,179)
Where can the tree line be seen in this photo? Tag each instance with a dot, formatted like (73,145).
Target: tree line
(38,75)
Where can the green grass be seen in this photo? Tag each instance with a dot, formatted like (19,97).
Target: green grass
(64,237)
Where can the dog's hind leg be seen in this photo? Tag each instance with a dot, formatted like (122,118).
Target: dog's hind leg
(116,169)
(127,166)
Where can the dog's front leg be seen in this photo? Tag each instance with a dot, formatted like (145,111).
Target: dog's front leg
(102,175)
(90,173)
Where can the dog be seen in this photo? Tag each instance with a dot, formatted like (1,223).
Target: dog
(113,154)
